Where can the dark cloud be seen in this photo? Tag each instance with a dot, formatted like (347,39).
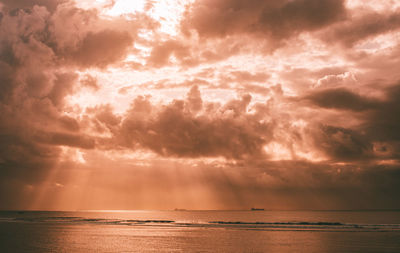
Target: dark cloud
(383,123)
(380,122)
(27,4)
(380,115)
(64,85)
(363,27)
(278,20)
(65,139)
(180,129)
(100,49)
(103,120)
(69,123)
(342,98)
(343,144)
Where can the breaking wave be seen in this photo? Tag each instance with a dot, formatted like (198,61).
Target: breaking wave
(292,226)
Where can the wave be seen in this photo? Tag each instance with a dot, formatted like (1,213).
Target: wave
(278,223)
(87,220)
(151,221)
(258,225)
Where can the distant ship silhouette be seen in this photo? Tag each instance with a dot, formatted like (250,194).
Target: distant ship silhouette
(257,209)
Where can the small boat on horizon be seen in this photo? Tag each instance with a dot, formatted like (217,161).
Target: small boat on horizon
(257,209)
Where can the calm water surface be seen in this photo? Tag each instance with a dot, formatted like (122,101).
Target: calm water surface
(200,231)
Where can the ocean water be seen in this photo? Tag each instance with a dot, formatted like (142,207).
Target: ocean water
(200,231)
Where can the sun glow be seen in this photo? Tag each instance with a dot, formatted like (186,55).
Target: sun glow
(277,151)
(127,6)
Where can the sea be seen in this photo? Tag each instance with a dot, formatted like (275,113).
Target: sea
(200,231)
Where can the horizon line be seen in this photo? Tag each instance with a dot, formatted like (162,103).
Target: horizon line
(184,209)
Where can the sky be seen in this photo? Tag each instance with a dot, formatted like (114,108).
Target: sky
(199,104)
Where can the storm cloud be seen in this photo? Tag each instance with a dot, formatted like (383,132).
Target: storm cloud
(263,18)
